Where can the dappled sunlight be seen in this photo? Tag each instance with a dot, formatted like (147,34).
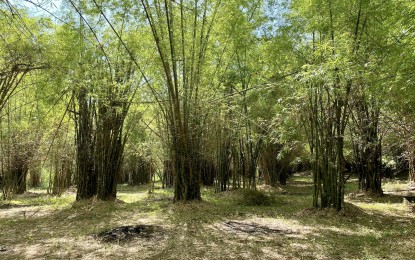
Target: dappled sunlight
(388,209)
(395,185)
(275,238)
(86,248)
(131,197)
(13,211)
(359,231)
(263,227)
(218,226)
(207,129)
(71,234)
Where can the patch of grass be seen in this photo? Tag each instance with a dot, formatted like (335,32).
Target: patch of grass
(44,199)
(37,225)
(394,185)
(298,179)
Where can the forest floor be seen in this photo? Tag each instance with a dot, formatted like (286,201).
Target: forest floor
(221,226)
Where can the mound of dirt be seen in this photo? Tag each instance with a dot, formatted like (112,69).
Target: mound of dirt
(126,233)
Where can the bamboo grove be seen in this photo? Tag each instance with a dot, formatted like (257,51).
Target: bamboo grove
(191,93)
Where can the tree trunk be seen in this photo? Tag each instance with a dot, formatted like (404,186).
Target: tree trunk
(224,165)
(34,174)
(325,125)
(168,174)
(86,176)
(368,146)
(175,26)
(186,184)
(21,174)
(109,151)
(276,171)
(208,172)
(411,162)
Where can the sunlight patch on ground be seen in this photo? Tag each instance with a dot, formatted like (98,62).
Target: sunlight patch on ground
(86,247)
(264,227)
(218,227)
(273,238)
(273,252)
(132,197)
(395,185)
(23,211)
(362,231)
(390,209)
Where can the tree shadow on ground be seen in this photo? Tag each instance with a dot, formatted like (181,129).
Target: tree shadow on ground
(11,205)
(385,198)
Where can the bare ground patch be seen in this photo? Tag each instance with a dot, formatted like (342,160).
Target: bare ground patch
(22,211)
(127,233)
(122,242)
(150,227)
(253,228)
(268,238)
(263,227)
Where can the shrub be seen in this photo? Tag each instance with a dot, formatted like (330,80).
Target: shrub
(255,198)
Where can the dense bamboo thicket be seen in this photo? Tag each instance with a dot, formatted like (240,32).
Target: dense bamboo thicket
(229,94)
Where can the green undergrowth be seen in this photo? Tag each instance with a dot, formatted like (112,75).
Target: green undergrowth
(37,225)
